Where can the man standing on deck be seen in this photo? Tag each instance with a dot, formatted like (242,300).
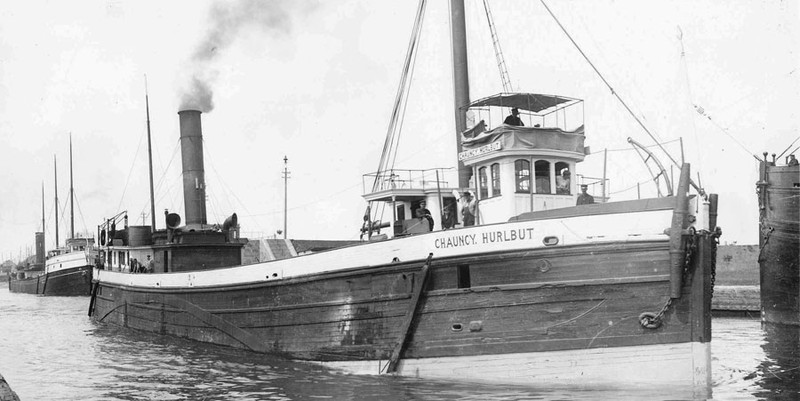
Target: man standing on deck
(150,265)
(468,210)
(424,213)
(513,118)
(584,198)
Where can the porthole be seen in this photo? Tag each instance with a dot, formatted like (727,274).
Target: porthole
(550,240)
(543,265)
(457,327)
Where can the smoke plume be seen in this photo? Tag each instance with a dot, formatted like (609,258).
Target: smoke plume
(227,21)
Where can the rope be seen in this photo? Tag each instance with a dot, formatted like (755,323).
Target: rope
(700,110)
(130,172)
(652,136)
(389,152)
(788,147)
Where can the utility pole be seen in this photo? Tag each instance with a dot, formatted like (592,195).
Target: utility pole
(285,193)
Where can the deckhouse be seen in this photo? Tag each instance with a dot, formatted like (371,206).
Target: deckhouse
(523,168)
(515,168)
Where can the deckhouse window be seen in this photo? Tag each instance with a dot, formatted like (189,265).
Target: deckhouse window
(483,182)
(522,172)
(563,179)
(496,179)
(542,171)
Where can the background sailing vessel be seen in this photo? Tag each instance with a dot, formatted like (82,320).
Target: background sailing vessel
(65,270)
(604,287)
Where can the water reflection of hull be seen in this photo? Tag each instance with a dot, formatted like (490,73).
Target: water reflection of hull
(779,373)
(779,199)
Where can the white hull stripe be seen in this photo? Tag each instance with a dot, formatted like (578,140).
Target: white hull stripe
(579,230)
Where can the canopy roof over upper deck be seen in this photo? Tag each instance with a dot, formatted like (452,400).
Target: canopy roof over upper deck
(532,102)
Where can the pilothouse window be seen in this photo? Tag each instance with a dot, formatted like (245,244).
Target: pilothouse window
(484,183)
(496,179)
(542,172)
(563,179)
(522,172)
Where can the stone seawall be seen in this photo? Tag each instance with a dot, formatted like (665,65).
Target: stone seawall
(736,287)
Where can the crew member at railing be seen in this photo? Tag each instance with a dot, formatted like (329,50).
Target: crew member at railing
(150,265)
(468,210)
(584,198)
(513,118)
(424,213)
(562,182)
(448,219)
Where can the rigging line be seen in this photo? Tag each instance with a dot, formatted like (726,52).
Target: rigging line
(164,173)
(630,149)
(130,173)
(310,203)
(703,113)
(80,212)
(390,135)
(690,97)
(217,175)
(613,92)
(505,77)
(629,188)
(230,190)
(788,147)
(407,91)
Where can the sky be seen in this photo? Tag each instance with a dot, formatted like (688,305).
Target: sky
(315,81)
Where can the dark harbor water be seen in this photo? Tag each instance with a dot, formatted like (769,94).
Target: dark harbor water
(50,350)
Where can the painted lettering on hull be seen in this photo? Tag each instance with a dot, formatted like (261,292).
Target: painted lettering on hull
(487,237)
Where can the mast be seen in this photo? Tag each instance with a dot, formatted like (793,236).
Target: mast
(285,194)
(71,194)
(44,246)
(55,171)
(458,38)
(150,158)
(42,207)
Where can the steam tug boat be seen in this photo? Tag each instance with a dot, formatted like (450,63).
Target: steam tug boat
(538,292)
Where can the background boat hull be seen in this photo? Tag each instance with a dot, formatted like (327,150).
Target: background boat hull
(779,257)
(67,282)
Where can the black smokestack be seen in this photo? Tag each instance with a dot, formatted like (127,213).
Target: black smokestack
(194,185)
(40,248)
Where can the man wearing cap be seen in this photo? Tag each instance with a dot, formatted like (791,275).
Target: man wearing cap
(513,118)
(584,198)
(468,210)
(423,213)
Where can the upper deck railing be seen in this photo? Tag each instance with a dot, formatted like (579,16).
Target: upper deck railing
(545,111)
(436,178)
